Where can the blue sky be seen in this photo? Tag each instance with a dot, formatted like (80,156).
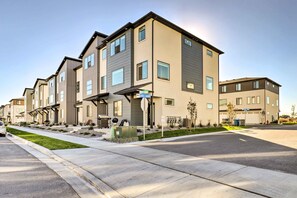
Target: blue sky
(258,37)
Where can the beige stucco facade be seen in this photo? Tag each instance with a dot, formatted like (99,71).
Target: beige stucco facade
(16,109)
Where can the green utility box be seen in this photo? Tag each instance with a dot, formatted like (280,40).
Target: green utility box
(123,132)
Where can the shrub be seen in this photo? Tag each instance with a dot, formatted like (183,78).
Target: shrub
(93,124)
(74,125)
(91,128)
(86,133)
(66,125)
(80,123)
(215,125)
(93,135)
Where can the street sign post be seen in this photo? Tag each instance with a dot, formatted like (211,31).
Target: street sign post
(163,121)
(144,106)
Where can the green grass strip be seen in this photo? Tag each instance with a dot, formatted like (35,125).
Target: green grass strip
(47,142)
(183,132)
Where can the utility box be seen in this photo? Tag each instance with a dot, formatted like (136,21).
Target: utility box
(123,132)
(103,121)
(186,122)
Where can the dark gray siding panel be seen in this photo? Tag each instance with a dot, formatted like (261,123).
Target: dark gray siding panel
(136,113)
(192,66)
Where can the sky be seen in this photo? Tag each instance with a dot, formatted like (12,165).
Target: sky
(258,36)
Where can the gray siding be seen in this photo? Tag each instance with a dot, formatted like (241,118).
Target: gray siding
(192,66)
(136,113)
(52,90)
(118,61)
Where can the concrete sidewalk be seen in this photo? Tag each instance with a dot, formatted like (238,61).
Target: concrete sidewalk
(135,171)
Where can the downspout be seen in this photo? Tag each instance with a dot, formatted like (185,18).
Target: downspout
(152,109)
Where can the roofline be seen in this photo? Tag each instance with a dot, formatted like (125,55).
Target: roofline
(163,21)
(64,60)
(51,76)
(78,67)
(251,79)
(93,37)
(37,81)
(26,90)
(16,99)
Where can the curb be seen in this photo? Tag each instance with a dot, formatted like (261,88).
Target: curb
(86,176)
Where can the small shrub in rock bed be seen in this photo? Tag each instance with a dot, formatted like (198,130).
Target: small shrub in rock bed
(86,133)
(80,124)
(66,125)
(93,124)
(74,125)
(93,135)
(215,125)
(91,128)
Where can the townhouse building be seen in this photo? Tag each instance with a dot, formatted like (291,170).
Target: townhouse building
(79,95)
(256,99)
(2,112)
(17,109)
(66,90)
(7,113)
(28,106)
(38,97)
(150,54)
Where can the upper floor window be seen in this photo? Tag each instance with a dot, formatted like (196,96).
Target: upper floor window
(267,99)
(62,76)
(188,42)
(62,96)
(190,85)
(258,100)
(209,106)
(117,77)
(253,100)
(89,87)
(51,82)
(142,71)
(223,102)
(276,102)
(209,83)
(224,89)
(256,84)
(77,86)
(163,70)
(103,82)
(238,87)
(248,100)
(104,54)
(141,33)
(209,52)
(238,101)
(89,61)
(169,101)
(118,45)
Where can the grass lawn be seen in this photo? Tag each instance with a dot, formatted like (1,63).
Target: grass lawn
(47,142)
(182,132)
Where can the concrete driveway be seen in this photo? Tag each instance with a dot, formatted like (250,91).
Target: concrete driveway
(271,148)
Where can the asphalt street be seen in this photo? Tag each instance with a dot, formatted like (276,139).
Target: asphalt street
(236,148)
(22,175)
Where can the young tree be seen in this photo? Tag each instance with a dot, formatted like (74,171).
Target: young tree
(293,111)
(231,112)
(192,109)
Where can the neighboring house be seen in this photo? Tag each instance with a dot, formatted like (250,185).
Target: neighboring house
(37,113)
(7,113)
(17,109)
(150,54)
(2,112)
(28,97)
(79,96)
(66,90)
(52,106)
(256,100)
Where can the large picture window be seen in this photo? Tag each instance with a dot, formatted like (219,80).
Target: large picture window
(142,71)
(117,77)
(163,70)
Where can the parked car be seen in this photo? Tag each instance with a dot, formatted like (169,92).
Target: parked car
(2,129)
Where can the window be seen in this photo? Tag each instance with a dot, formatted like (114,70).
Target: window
(118,45)
(238,101)
(141,33)
(253,100)
(89,111)
(248,100)
(276,102)
(256,85)
(267,100)
(89,61)
(77,87)
(238,87)
(169,101)
(258,99)
(104,54)
(224,89)
(62,96)
(190,85)
(117,108)
(117,77)
(163,70)
(51,83)
(89,87)
(188,42)
(62,76)
(209,106)
(51,98)
(209,83)
(209,53)
(103,82)
(142,70)
(223,102)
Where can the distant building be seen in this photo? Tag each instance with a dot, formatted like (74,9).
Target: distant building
(256,99)
(17,110)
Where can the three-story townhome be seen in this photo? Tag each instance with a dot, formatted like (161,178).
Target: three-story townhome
(37,106)
(16,109)
(79,94)
(27,94)
(52,106)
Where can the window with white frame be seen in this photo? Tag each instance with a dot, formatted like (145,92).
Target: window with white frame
(118,108)
(258,99)
(51,82)
(256,84)
(223,102)
(209,83)
(117,77)
(267,99)
(238,101)
(224,89)
(103,82)
(188,42)
(163,70)
(248,100)
(62,76)
(238,87)
(169,101)
(118,45)
(142,71)
(209,52)
(62,96)
(89,111)
(89,87)
(141,33)
(276,103)
(89,61)
(104,54)
(209,106)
